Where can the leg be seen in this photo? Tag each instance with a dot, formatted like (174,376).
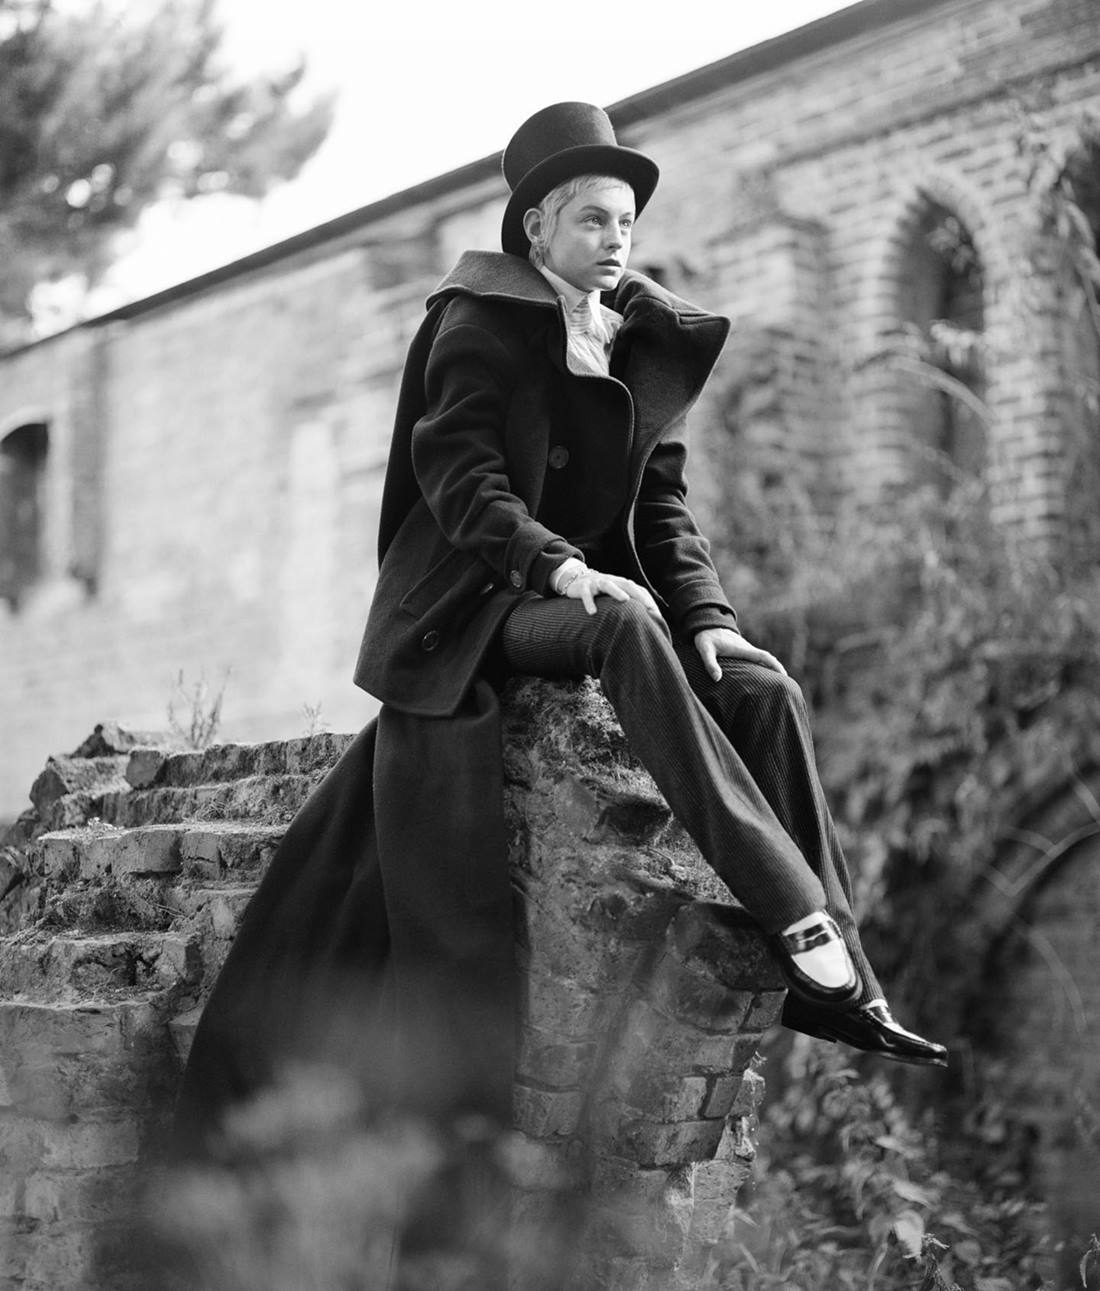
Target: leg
(764,715)
(701,775)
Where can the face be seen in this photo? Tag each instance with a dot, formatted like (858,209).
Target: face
(590,243)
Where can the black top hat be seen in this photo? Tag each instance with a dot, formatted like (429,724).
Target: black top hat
(556,144)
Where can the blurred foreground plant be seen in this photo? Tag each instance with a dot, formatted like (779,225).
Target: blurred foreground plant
(311,1191)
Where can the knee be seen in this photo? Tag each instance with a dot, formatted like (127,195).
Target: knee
(775,692)
(628,625)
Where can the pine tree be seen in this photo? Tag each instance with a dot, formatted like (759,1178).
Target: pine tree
(105,108)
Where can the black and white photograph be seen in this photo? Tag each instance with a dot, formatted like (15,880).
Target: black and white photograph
(550,646)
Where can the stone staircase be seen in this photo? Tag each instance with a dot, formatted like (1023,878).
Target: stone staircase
(124,885)
(644,993)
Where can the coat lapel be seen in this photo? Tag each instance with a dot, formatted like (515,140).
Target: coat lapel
(669,349)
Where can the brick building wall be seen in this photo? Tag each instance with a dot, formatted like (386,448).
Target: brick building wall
(209,496)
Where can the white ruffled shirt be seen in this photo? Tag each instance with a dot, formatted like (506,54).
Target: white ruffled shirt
(591,326)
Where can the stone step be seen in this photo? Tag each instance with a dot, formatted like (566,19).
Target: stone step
(212,915)
(204,849)
(310,755)
(217,909)
(67,791)
(269,799)
(37,967)
(62,1059)
(91,906)
(101,906)
(63,776)
(134,783)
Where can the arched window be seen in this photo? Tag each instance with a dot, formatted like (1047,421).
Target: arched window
(940,307)
(22,465)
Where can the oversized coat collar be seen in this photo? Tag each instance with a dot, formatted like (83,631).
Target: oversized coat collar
(671,345)
(495,275)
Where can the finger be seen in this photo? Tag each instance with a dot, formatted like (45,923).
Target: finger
(587,597)
(753,654)
(709,654)
(612,589)
(642,595)
(769,661)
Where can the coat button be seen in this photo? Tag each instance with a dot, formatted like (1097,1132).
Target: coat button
(484,591)
(558,456)
(429,640)
(516,579)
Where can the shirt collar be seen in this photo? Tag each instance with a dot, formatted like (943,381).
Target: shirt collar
(573,295)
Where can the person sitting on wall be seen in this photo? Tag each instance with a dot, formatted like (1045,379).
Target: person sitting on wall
(534,522)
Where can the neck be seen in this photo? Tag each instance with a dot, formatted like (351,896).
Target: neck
(573,295)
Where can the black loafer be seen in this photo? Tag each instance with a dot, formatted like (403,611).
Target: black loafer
(867,1026)
(788,944)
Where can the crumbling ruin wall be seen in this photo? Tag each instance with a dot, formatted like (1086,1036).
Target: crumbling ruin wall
(645,991)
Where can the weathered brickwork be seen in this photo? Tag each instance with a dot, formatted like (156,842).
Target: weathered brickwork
(210,494)
(644,993)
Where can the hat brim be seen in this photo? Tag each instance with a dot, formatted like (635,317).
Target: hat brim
(634,168)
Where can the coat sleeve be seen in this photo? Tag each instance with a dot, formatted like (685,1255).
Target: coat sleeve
(459,458)
(674,553)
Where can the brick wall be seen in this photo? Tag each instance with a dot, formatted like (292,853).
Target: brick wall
(216,458)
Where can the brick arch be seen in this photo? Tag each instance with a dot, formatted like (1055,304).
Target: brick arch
(1039,1045)
(1058,817)
(885,257)
(883,451)
(27,415)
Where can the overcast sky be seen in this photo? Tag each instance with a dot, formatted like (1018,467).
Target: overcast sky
(427,85)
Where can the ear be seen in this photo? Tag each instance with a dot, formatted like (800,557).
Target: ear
(532,224)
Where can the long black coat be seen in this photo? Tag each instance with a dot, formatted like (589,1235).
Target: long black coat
(392,882)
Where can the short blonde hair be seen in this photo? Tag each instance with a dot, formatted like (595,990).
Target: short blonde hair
(555,201)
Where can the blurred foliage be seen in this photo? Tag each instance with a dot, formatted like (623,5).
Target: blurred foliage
(312,1187)
(105,108)
(956,680)
(973,685)
(849,1196)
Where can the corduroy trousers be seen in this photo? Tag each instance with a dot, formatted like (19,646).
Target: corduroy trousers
(734,758)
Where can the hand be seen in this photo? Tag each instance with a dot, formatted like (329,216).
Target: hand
(591,583)
(713,643)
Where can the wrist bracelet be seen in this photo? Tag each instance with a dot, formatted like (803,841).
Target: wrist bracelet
(570,579)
